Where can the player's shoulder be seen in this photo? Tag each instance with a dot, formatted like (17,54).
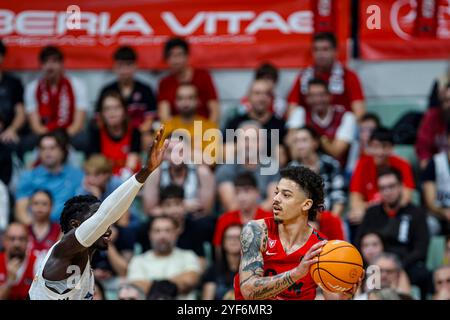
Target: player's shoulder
(318,236)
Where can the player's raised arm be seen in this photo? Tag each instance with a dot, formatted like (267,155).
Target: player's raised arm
(113,207)
(253,284)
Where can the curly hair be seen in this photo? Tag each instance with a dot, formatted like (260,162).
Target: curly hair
(76,208)
(311,183)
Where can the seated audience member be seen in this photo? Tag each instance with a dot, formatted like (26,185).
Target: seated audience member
(438,87)
(432,135)
(436,187)
(196,180)
(186,103)
(269,73)
(249,151)
(441,279)
(335,125)
(129,291)
(330,225)
(193,232)
(56,101)
(383,294)
(12,109)
(98,180)
(139,97)
(259,109)
(17,264)
(367,125)
(304,147)
(99,291)
(112,264)
(371,245)
(114,137)
(391,273)
(53,174)
(165,272)
(218,279)
(363,184)
(343,84)
(247,196)
(176,55)
(43,232)
(403,227)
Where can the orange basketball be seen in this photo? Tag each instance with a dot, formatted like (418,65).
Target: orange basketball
(339,266)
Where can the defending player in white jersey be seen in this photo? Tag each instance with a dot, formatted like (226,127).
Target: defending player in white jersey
(65,273)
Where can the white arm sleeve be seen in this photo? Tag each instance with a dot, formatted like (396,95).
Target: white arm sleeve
(111,209)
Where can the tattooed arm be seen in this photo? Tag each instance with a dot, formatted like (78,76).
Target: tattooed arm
(253,284)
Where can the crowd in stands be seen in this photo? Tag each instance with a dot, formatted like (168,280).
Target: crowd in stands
(181,237)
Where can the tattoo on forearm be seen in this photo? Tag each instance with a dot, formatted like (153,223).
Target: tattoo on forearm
(254,241)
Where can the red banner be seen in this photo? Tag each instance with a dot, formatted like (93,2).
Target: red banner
(222,33)
(407,29)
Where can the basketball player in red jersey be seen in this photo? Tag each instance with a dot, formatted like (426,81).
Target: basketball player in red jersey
(277,252)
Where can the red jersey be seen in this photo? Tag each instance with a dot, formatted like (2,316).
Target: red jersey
(276,261)
(201,79)
(47,242)
(234,217)
(330,226)
(343,84)
(329,130)
(19,291)
(364,178)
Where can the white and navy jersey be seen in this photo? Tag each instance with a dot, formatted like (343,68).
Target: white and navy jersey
(82,288)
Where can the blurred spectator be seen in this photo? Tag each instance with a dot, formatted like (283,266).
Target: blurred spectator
(436,187)
(431,135)
(442,283)
(249,151)
(186,103)
(55,101)
(129,291)
(343,84)
(218,279)
(139,97)
(12,110)
(304,152)
(196,180)
(112,264)
(367,125)
(335,125)
(115,137)
(5,209)
(165,272)
(43,232)
(383,294)
(439,85)
(6,158)
(403,227)
(330,225)
(371,245)
(176,55)
(17,264)
(99,291)
(193,232)
(98,180)
(53,174)
(363,184)
(269,73)
(247,196)
(391,273)
(259,109)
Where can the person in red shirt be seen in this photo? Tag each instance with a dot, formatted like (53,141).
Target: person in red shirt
(335,125)
(43,233)
(176,55)
(363,183)
(431,137)
(17,264)
(114,137)
(277,252)
(343,83)
(247,196)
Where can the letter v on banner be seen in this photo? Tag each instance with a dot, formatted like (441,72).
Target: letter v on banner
(324,15)
(426,18)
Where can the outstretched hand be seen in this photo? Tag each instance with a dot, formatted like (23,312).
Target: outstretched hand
(154,155)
